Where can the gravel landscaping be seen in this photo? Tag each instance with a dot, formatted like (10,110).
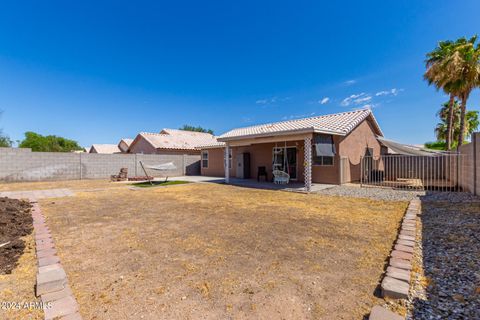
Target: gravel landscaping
(384,194)
(448,282)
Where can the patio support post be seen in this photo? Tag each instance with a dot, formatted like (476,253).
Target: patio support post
(308,164)
(227,169)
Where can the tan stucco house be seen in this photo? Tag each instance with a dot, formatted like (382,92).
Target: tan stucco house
(321,149)
(170,141)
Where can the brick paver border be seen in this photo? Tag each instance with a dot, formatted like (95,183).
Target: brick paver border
(396,283)
(52,283)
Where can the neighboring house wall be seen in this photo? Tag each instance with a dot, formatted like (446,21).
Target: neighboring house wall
(354,145)
(123,146)
(20,164)
(141,145)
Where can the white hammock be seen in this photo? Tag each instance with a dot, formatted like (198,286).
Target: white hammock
(163,167)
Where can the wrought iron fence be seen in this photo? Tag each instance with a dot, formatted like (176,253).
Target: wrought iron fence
(442,172)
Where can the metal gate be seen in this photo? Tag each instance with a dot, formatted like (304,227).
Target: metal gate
(442,172)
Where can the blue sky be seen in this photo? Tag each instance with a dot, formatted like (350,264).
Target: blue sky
(97,72)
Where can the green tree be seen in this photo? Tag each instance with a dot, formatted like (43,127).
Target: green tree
(51,143)
(187,127)
(5,140)
(471,123)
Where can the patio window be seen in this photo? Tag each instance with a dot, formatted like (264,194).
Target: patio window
(204,159)
(323,150)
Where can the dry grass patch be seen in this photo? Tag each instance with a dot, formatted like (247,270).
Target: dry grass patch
(72,184)
(214,251)
(19,286)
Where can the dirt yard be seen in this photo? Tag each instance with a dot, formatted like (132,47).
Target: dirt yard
(205,251)
(15,223)
(17,261)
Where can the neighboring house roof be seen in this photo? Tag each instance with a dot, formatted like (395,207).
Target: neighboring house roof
(406,149)
(177,139)
(105,148)
(337,124)
(124,144)
(127,141)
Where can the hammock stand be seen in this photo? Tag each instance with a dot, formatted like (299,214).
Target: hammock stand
(161,167)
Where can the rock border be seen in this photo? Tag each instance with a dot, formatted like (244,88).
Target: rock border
(396,283)
(52,283)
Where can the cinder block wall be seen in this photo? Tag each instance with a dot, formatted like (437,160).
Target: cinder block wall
(471,165)
(24,165)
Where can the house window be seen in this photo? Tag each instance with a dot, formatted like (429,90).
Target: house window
(323,150)
(322,161)
(229,158)
(204,159)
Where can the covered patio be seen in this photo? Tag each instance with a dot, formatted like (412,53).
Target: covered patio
(254,162)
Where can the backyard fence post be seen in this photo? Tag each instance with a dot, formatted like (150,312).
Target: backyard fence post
(308,164)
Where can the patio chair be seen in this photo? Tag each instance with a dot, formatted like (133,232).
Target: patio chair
(280,177)
(262,172)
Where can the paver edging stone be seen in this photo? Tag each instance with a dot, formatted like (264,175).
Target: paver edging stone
(52,282)
(396,283)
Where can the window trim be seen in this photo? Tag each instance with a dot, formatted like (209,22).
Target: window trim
(202,159)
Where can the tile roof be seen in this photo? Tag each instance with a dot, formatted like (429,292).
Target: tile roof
(178,139)
(105,148)
(337,124)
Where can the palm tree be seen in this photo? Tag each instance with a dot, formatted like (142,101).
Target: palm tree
(465,67)
(438,76)
(471,122)
(455,68)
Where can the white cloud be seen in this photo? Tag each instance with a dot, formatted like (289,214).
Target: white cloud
(356,99)
(362,100)
(272,100)
(392,92)
(324,100)
(266,101)
(350,82)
